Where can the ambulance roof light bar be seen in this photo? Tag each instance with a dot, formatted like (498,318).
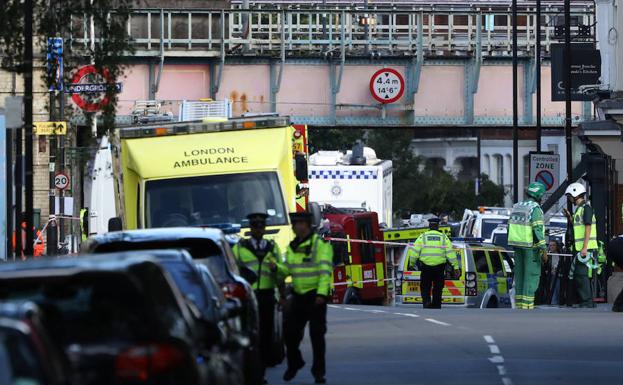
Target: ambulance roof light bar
(205,126)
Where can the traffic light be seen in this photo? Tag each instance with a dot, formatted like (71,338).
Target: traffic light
(55,63)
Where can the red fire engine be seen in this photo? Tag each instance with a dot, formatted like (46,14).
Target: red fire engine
(359,269)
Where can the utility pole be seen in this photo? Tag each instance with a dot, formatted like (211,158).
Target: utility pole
(515,109)
(537,59)
(28,85)
(567,82)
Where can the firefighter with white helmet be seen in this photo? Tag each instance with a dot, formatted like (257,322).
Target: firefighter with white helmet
(585,244)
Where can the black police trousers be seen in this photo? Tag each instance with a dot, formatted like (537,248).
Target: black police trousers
(301,310)
(266,305)
(432,276)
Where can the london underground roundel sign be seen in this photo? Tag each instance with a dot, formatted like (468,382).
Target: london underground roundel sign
(387,85)
(80,76)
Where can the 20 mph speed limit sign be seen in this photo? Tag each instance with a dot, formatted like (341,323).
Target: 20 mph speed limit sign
(61,181)
(387,85)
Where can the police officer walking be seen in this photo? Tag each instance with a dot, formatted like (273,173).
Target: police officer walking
(526,233)
(585,244)
(431,251)
(264,258)
(309,261)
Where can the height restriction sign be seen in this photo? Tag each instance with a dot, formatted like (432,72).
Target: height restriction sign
(387,85)
(545,168)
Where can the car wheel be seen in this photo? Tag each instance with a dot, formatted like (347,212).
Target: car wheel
(351,297)
(253,367)
(493,303)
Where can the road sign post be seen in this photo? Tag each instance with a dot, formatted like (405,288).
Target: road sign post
(387,85)
(545,168)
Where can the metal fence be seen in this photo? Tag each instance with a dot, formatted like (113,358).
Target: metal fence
(305,32)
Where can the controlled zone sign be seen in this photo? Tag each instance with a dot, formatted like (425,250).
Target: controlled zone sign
(387,85)
(545,168)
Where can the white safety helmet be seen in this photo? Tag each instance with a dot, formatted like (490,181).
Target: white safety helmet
(575,190)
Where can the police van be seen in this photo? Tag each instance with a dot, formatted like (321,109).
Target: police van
(486,277)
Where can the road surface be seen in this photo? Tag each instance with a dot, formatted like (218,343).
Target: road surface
(410,345)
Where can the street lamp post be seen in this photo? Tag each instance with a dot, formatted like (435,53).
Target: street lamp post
(515,109)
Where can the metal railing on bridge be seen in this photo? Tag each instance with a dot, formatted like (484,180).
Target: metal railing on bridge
(350,32)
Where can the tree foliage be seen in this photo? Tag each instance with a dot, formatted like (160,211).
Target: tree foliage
(53,18)
(418,187)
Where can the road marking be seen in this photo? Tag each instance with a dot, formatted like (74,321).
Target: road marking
(437,322)
(507,381)
(334,306)
(496,359)
(375,311)
(350,308)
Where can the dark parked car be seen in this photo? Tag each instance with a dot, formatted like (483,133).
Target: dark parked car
(27,354)
(208,247)
(119,318)
(212,312)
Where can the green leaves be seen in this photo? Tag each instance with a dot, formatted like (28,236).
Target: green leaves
(71,20)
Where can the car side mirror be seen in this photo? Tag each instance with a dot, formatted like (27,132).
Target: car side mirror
(248,274)
(114,224)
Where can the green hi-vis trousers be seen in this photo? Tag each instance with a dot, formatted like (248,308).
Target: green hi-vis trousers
(527,273)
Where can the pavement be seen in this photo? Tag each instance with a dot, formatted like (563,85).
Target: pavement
(410,345)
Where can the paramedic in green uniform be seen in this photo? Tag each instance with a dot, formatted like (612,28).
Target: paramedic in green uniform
(526,234)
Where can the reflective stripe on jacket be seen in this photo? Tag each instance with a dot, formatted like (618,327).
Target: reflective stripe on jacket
(310,265)
(578,230)
(263,267)
(433,248)
(526,228)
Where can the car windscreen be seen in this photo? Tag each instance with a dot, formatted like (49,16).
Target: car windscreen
(214,199)
(188,281)
(488,225)
(86,307)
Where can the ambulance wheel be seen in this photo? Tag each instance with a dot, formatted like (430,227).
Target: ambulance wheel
(351,297)
(493,303)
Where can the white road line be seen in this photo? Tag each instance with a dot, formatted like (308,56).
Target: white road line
(501,370)
(496,359)
(437,322)
(350,308)
(334,306)
(375,311)
(494,349)
(489,339)
(507,381)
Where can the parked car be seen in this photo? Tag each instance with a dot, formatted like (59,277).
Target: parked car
(119,318)
(212,312)
(27,354)
(208,247)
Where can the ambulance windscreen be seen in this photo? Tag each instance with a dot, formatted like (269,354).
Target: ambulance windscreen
(214,199)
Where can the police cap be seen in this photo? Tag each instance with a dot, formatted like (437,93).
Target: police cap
(259,218)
